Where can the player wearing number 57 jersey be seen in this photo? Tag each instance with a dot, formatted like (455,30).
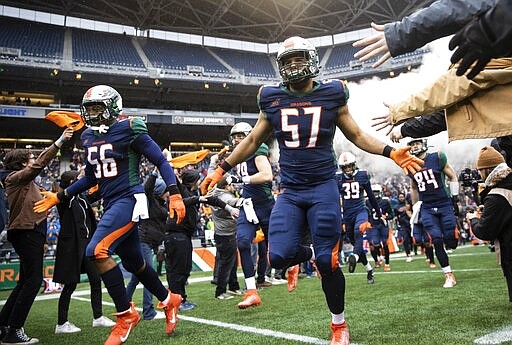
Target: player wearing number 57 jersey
(353,183)
(437,214)
(113,151)
(303,114)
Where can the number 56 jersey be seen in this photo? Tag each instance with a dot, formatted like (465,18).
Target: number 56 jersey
(112,160)
(430,180)
(304,126)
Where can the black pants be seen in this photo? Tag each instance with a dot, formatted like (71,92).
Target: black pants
(94,281)
(227,263)
(178,261)
(29,245)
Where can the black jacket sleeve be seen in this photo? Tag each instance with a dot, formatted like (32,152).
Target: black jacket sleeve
(424,126)
(492,221)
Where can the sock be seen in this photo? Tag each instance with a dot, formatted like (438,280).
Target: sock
(149,278)
(250,283)
(368,267)
(338,319)
(114,283)
(446,269)
(313,257)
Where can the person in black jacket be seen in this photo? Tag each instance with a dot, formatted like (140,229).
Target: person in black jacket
(151,233)
(78,223)
(496,221)
(178,238)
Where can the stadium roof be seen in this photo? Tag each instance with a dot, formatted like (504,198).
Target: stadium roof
(261,21)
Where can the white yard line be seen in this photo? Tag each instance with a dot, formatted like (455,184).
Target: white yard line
(501,336)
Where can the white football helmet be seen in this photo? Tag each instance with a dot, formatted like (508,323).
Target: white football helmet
(418,151)
(297,72)
(347,164)
(240,128)
(101,95)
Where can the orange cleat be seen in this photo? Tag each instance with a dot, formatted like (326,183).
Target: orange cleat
(340,335)
(387,268)
(251,299)
(293,278)
(125,323)
(171,312)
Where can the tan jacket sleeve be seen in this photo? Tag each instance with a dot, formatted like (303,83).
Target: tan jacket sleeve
(450,89)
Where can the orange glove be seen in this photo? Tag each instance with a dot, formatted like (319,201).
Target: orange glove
(50,200)
(176,206)
(260,236)
(211,180)
(365,226)
(405,160)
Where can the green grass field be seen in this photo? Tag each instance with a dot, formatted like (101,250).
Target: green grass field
(405,306)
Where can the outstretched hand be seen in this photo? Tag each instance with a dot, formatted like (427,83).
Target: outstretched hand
(50,200)
(374,45)
(406,161)
(211,180)
(384,121)
(177,208)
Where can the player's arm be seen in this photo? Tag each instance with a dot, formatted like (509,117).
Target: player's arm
(415,197)
(372,199)
(264,173)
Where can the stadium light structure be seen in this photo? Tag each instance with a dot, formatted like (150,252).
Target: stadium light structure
(78,76)
(136,81)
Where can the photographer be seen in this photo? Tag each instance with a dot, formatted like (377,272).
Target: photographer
(495,222)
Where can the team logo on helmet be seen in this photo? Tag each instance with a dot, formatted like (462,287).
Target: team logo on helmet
(296,72)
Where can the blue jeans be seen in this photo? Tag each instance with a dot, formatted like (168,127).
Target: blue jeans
(148,310)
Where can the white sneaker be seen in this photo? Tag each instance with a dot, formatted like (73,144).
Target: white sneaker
(159,315)
(67,327)
(409,259)
(102,321)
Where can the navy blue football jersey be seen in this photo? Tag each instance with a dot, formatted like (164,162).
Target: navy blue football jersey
(430,180)
(304,126)
(258,192)
(352,191)
(112,159)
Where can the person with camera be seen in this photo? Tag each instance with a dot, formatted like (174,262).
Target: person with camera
(495,221)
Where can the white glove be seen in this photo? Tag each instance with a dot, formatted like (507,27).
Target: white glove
(249,211)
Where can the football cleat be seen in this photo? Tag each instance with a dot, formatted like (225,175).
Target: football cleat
(340,335)
(293,278)
(171,312)
(370,277)
(409,259)
(387,267)
(125,323)
(449,280)
(251,299)
(352,262)
(432,265)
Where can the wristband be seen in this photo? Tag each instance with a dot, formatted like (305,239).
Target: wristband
(173,189)
(387,151)
(225,166)
(454,188)
(246,179)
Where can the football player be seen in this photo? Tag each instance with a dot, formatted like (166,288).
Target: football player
(113,149)
(256,175)
(437,212)
(303,114)
(379,232)
(352,184)
(403,212)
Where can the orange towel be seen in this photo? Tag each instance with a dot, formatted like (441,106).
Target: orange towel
(66,119)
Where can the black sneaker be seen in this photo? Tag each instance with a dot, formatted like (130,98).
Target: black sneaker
(370,277)
(352,262)
(16,336)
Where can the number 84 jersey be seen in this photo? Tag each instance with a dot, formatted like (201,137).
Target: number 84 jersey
(430,180)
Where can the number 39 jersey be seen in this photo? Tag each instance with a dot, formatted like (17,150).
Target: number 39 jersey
(112,160)
(304,126)
(430,180)
(352,191)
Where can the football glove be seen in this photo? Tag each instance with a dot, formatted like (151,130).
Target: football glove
(176,205)
(259,236)
(211,180)
(50,200)
(405,160)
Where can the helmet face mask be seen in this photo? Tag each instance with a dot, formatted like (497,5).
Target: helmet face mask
(238,130)
(297,60)
(417,150)
(101,105)
(347,164)
(377,190)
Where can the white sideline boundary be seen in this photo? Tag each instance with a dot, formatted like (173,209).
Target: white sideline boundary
(501,336)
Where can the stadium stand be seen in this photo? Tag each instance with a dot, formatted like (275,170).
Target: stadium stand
(93,48)
(32,39)
(249,64)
